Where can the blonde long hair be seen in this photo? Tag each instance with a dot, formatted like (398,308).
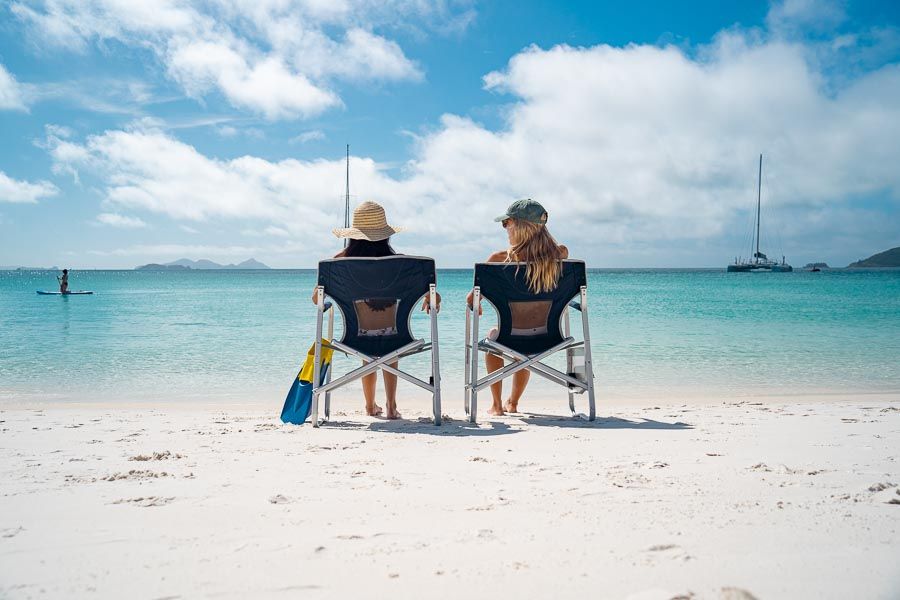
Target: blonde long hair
(533,245)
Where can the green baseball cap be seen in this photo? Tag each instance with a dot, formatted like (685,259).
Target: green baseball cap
(526,210)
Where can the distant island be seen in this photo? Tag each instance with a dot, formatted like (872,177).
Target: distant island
(185,264)
(819,265)
(20,268)
(888,258)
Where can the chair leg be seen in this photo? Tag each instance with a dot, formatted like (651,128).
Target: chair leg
(328,396)
(435,358)
(473,357)
(331,368)
(569,360)
(320,302)
(467,366)
(588,363)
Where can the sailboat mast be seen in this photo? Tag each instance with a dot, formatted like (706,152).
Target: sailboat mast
(347,197)
(758,196)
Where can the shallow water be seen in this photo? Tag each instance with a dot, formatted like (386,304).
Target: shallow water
(240,335)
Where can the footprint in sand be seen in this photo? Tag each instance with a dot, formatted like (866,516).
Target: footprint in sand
(164,455)
(733,593)
(135,475)
(880,487)
(145,502)
(11,532)
(279,499)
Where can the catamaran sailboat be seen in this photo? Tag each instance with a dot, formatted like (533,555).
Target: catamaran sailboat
(759,262)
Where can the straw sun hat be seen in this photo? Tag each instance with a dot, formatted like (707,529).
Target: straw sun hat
(369,223)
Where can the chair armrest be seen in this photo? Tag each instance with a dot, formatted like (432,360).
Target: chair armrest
(576,305)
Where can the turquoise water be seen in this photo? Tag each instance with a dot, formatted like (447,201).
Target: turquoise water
(239,335)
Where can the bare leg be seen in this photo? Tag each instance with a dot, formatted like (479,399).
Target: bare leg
(493,363)
(520,381)
(368,385)
(390,391)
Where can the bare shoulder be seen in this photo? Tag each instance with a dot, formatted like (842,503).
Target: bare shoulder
(563,251)
(499,256)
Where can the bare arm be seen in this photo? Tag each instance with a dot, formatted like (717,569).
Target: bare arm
(497,257)
(426,303)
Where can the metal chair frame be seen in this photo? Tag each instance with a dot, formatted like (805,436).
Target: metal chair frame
(532,362)
(373,363)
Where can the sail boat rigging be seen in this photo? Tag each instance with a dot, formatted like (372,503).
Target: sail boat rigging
(347,198)
(760,262)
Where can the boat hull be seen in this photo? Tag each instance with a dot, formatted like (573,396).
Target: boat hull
(751,268)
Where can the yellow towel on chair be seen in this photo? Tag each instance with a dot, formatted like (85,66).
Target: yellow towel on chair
(306,373)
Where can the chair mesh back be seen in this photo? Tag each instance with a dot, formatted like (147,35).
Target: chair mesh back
(388,283)
(502,283)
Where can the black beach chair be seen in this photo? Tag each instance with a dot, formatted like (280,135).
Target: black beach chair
(504,286)
(376,297)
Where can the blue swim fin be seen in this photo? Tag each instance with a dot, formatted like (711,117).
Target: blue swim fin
(298,403)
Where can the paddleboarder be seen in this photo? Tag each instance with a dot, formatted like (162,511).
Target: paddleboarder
(63,282)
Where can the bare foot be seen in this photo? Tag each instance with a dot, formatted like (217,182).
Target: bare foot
(374,410)
(392,413)
(511,406)
(497,412)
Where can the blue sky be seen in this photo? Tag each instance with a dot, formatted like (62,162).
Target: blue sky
(216,129)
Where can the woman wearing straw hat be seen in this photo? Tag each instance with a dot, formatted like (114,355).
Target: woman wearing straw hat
(370,236)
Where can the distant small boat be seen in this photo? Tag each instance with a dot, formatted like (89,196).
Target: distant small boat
(815,267)
(760,262)
(72,293)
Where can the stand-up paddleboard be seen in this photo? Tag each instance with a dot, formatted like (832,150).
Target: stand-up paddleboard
(73,293)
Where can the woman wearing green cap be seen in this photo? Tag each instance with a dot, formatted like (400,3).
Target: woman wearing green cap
(530,242)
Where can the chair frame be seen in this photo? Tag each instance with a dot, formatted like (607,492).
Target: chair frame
(373,363)
(532,362)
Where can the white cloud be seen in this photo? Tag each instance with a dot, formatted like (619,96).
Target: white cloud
(116,96)
(267,87)
(120,221)
(60,131)
(277,231)
(276,58)
(16,191)
(636,147)
(11,96)
(179,250)
(307,136)
(808,15)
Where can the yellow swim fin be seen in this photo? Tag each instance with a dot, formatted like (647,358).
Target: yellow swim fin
(306,373)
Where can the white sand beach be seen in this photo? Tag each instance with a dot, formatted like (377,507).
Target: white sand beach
(752,498)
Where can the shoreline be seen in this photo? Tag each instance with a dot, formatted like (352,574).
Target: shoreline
(350,400)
